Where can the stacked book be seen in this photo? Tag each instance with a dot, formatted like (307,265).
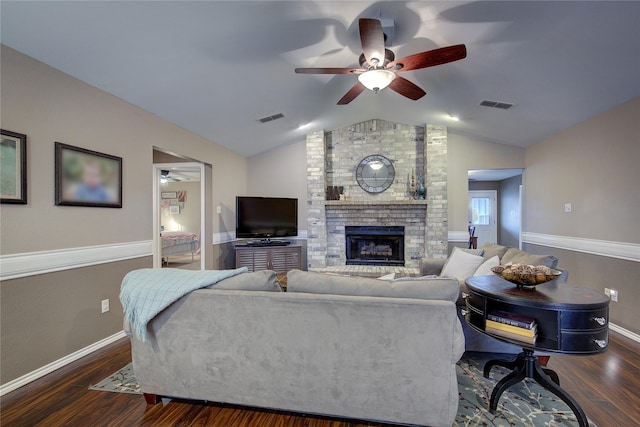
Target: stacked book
(513,326)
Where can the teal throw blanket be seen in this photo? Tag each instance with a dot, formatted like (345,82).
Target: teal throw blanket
(146,292)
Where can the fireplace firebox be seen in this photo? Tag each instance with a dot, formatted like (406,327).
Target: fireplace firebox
(374,245)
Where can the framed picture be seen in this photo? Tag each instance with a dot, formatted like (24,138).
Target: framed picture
(87,178)
(174,210)
(13,167)
(169,194)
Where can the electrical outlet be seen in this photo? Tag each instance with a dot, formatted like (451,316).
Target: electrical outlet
(614,295)
(105,305)
(567,207)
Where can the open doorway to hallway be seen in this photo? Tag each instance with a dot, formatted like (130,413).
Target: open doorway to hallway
(506,185)
(179,214)
(181,200)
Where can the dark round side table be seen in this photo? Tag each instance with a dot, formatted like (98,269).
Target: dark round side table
(570,320)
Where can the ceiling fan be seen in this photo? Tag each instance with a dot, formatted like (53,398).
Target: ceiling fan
(379,68)
(166,176)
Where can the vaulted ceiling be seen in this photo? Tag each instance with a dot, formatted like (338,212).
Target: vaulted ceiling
(216,67)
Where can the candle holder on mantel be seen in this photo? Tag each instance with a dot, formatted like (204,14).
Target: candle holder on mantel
(334,192)
(420,191)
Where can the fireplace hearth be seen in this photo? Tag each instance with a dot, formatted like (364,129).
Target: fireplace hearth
(374,245)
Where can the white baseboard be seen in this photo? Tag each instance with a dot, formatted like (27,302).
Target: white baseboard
(47,369)
(627,333)
(30,264)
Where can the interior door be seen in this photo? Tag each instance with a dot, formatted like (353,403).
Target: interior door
(483,215)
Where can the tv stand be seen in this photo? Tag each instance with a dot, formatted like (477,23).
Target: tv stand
(268,242)
(280,259)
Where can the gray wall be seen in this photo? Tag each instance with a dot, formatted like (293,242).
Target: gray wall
(48,105)
(464,154)
(593,166)
(281,173)
(509,207)
(49,316)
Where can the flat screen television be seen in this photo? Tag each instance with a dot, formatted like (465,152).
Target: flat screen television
(266,217)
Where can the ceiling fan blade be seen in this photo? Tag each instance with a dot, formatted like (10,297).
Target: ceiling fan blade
(372,39)
(329,70)
(430,58)
(405,88)
(356,90)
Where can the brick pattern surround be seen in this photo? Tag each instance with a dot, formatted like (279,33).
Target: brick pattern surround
(331,160)
(412,216)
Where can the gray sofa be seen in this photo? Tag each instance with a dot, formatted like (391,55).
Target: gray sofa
(342,346)
(474,340)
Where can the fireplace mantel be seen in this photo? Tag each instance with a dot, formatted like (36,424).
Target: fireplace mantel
(348,204)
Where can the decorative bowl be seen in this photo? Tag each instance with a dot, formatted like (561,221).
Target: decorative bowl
(526,275)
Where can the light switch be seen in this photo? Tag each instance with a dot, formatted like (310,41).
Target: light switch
(567,207)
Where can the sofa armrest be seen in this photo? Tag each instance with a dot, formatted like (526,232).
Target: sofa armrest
(431,266)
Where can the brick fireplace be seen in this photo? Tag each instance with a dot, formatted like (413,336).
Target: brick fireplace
(332,157)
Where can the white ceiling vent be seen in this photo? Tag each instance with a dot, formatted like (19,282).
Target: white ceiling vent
(271,118)
(496,104)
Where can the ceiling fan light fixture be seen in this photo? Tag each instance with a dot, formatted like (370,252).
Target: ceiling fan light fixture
(376,80)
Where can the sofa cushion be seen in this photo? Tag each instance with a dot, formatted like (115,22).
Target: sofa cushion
(264,280)
(318,283)
(491,250)
(485,267)
(516,256)
(461,265)
(478,251)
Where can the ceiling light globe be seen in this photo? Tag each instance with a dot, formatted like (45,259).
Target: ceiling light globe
(376,80)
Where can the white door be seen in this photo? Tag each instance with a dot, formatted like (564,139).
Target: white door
(482,215)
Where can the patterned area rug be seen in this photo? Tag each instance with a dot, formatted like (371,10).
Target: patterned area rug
(123,381)
(526,404)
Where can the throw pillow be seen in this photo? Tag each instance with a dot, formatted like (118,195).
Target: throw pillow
(485,267)
(264,280)
(318,283)
(516,256)
(461,265)
(491,250)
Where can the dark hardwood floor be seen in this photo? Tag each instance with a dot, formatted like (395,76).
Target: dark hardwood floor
(607,386)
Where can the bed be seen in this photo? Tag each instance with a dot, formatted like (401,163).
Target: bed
(179,243)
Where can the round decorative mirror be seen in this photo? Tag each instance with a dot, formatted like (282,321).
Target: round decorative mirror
(375,173)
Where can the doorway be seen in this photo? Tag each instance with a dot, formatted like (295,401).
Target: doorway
(179,216)
(483,209)
(507,185)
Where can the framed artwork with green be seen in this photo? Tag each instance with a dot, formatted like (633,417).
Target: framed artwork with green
(13,167)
